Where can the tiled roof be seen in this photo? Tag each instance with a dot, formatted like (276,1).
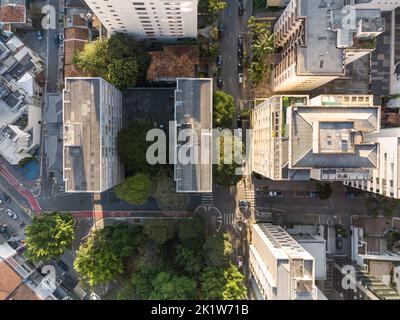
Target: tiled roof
(70,47)
(77,21)
(13,13)
(9,281)
(175,61)
(75,33)
(23,292)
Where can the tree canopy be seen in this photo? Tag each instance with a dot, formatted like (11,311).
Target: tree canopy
(166,195)
(159,230)
(120,59)
(135,189)
(217,250)
(132,148)
(101,258)
(168,286)
(49,235)
(224,110)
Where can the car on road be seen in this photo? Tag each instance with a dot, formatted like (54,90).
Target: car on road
(240,77)
(221,31)
(219,61)
(240,9)
(220,82)
(275,194)
(313,194)
(240,54)
(240,67)
(11,214)
(62,265)
(57,40)
(240,42)
(5,197)
(353,194)
(339,242)
(39,35)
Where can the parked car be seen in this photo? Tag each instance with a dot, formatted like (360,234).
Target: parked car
(275,194)
(240,54)
(62,265)
(239,121)
(240,77)
(313,194)
(11,214)
(240,9)
(339,242)
(39,35)
(354,194)
(220,82)
(240,42)
(221,30)
(5,197)
(240,67)
(61,36)
(219,61)
(57,40)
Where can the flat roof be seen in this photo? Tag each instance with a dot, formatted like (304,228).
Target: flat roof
(81,120)
(193,110)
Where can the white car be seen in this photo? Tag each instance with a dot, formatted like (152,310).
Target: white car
(240,78)
(11,214)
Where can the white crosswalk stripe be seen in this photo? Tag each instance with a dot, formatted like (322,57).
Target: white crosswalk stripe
(250,196)
(228,219)
(207,199)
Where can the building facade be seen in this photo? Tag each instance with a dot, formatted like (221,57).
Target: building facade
(297,138)
(316,40)
(280,268)
(166,20)
(92,118)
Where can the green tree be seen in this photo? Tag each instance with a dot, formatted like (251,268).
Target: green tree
(166,195)
(215,7)
(101,258)
(224,172)
(142,282)
(224,110)
(159,230)
(48,236)
(168,286)
(213,50)
(219,283)
(120,59)
(135,189)
(217,250)
(324,190)
(191,232)
(189,259)
(378,205)
(132,148)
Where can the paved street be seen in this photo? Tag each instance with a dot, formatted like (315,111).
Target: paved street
(234,25)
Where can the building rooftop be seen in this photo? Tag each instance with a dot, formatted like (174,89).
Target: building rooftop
(174,61)
(332,137)
(193,110)
(81,112)
(13,11)
(9,280)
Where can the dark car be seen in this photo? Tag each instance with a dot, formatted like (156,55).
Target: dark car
(5,197)
(339,242)
(240,42)
(240,67)
(219,61)
(39,35)
(221,30)
(62,265)
(219,82)
(240,54)
(353,194)
(313,194)
(57,40)
(69,282)
(240,9)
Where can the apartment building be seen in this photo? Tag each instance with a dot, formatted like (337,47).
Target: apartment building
(92,117)
(316,40)
(373,4)
(280,268)
(297,138)
(166,20)
(385,179)
(193,119)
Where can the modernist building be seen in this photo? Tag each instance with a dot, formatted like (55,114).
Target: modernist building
(317,39)
(159,19)
(92,117)
(280,268)
(193,118)
(297,138)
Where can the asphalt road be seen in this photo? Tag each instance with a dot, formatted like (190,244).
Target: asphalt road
(234,25)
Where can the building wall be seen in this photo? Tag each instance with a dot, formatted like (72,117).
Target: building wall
(162,19)
(374,4)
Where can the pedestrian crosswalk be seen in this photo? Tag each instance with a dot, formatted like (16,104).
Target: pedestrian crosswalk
(207,199)
(250,196)
(228,219)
